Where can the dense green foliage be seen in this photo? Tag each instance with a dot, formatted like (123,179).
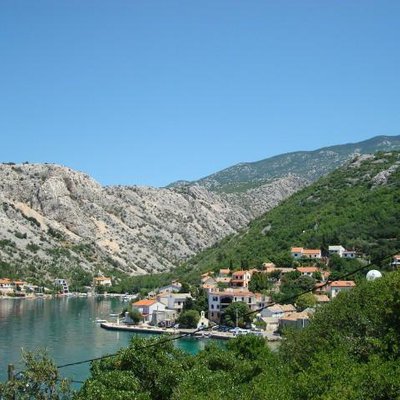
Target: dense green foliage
(348,207)
(188,319)
(237,314)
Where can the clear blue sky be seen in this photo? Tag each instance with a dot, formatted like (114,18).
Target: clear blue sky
(148,92)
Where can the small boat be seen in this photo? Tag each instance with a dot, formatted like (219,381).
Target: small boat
(99,320)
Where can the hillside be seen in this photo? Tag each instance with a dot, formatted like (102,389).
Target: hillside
(357,206)
(307,165)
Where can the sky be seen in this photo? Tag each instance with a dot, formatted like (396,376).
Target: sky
(150,92)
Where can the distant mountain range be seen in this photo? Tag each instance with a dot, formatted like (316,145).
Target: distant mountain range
(54,220)
(308,165)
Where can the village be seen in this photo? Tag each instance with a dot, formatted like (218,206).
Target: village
(263,301)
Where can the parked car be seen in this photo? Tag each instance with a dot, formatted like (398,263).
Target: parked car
(239,331)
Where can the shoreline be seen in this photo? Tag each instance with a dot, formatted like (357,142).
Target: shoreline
(112,326)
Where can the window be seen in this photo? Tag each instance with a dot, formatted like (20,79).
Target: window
(212,306)
(215,298)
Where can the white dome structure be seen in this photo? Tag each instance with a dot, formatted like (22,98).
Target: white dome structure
(373,274)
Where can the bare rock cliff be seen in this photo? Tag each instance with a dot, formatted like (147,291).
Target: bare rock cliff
(53,218)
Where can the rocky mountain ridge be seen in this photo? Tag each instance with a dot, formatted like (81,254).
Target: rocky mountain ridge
(53,218)
(308,165)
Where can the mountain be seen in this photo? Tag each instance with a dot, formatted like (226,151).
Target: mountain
(54,220)
(307,165)
(357,206)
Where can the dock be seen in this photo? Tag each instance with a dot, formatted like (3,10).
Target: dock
(112,326)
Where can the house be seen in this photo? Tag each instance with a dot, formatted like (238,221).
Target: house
(308,271)
(275,311)
(165,318)
(209,287)
(320,288)
(342,252)
(339,250)
(300,252)
(262,300)
(174,287)
(350,254)
(336,287)
(322,298)
(205,276)
(6,286)
(148,307)
(174,301)
(218,301)
(102,281)
(224,273)
(298,320)
(269,267)
(63,285)
(223,282)
(241,279)
(210,281)
(297,252)
(396,260)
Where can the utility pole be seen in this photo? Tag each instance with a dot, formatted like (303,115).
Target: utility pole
(10,372)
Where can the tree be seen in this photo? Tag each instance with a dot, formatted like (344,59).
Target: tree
(306,300)
(188,319)
(259,281)
(237,314)
(39,381)
(135,315)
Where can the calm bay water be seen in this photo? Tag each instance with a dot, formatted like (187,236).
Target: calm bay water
(66,328)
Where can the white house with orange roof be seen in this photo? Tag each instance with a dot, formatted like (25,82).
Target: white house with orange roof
(147,307)
(241,279)
(218,301)
(308,271)
(102,281)
(6,285)
(299,252)
(336,287)
(396,260)
(173,301)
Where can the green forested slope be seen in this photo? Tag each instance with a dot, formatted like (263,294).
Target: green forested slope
(357,206)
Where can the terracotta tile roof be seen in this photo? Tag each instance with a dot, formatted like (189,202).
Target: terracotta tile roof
(343,284)
(297,250)
(102,278)
(322,298)
(305,270)
(144,303)
(225,271)
(239,273)
(288,307)
(311,251)
(5,281)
